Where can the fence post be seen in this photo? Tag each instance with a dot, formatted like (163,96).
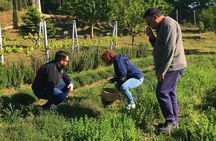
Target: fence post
(1,47)
(177,15)
(74,35)
(38,5)
(194,15)
(114,36)
(45,42)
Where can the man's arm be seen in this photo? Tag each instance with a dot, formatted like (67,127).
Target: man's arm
(150,34)
(169,37)
(67,80)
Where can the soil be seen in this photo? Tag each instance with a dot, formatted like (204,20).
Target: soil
(6,18)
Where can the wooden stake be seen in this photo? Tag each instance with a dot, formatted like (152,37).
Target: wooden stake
(1,48)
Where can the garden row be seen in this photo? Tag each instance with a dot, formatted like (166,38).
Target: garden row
(83,117)
(14,75)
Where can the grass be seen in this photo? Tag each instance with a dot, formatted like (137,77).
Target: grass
(84,117)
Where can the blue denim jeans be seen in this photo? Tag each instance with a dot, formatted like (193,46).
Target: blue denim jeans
(59,95)
(130,84)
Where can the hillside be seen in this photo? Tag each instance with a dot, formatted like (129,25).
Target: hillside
(6,18)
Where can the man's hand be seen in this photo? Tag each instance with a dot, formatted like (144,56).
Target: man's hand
(160,77)
(149,32)
(70,87)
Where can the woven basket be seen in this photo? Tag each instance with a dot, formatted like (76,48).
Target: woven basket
(109,94)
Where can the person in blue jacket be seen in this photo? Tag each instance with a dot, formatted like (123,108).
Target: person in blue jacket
(127,75)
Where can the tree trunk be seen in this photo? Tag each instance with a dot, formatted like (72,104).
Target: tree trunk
(15,18)
(133,39)
(19,4)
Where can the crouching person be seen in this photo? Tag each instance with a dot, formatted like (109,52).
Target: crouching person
(127,75)
(52,82)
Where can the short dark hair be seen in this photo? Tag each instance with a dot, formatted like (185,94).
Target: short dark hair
(152,12)
(60,55)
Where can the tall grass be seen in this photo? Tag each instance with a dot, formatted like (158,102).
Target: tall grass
(83,117)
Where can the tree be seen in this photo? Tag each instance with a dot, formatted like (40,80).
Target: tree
(15,18)
(130,15)
(5,5)
(31,19)
(208,18)
(90,12)
(52,7)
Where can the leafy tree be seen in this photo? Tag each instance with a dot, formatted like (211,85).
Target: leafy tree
(31,19)
(52,7)
(15,18)
(208,18)
(90,12)
(129,14)
(186,7)
(5,5)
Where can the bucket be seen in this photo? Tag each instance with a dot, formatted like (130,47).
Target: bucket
(109,94)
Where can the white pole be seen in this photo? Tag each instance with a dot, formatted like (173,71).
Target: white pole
(194,17)
(177,15)
(1,48)
(45,42)
(114,35)
(38,4)
(73,42)
(40,31)
(76,36)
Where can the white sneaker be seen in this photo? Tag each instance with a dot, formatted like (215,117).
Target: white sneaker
(131,105)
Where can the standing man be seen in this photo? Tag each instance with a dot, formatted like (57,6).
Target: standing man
(52,82)
(169,61)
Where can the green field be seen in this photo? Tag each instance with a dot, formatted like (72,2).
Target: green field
(84,117)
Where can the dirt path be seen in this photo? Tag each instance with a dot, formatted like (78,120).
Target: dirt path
(10,91)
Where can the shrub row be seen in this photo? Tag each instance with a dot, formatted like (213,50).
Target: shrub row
(12,75)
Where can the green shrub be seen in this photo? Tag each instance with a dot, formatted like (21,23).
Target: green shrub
(31,19)
(201,26)
(5,5)
(208,17)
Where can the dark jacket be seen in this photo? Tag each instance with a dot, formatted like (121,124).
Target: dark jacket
(124,69)
(48,76)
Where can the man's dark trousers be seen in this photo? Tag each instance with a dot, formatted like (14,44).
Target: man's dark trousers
(167,97)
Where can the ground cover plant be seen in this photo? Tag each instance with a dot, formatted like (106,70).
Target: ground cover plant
(83,116)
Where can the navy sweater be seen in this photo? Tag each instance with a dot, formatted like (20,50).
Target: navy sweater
(124,69)
(48,76)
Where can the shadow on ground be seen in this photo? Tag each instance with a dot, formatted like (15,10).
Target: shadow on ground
(18,99)
(80,107)
(197,52)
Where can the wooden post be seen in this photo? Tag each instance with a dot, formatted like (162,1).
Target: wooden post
(74,35)
(194,15)
(40,31)
(177,15)
(114,35)
(1,48)
(45,42)
(38,5)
